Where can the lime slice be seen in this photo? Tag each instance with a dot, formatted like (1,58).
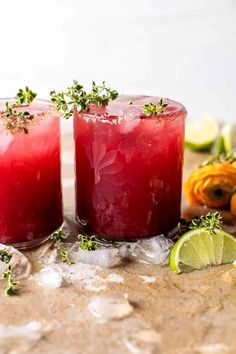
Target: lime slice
(225,140)
(198,249)
(201,134)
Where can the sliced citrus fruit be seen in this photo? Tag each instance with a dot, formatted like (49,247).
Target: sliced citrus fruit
(198,249)
(225,140)
(201,134)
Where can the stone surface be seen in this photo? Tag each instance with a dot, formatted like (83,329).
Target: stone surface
(190,313)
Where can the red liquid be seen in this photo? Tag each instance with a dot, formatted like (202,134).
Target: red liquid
(30,179)
(129,169)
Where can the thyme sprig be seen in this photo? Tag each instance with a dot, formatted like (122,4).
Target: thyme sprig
(87,243)
(25,96)
(229,157)
(210,221)
(150,109)
(10,289)
(76,96)
(11,282)
(5,256)
(64,253)
(59,237)
(18,121)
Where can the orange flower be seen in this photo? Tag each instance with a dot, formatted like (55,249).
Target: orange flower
(212,185)
(233,204)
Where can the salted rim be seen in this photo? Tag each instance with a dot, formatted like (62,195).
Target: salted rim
(180,108)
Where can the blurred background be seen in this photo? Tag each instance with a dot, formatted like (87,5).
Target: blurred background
(182,49)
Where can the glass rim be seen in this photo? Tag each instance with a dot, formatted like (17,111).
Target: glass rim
(179,111)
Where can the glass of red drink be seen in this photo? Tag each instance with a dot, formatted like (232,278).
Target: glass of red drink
(129,168)
(30,177)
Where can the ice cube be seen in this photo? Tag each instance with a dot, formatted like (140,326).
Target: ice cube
(104,256)
(153,250)
(49,277)
(106,308)
(21,266)
(144,341)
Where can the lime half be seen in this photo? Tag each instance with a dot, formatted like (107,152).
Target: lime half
(198,249)
(201,134)
(225,140)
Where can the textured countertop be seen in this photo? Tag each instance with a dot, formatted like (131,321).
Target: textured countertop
(160,312)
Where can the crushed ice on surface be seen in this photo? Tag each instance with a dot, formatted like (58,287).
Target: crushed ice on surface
(21,266)
(104,256)
(106,308)
(31,330)
(115,278)
(144,341)
(148,278)
(49,277)
(153,250)
(214,348)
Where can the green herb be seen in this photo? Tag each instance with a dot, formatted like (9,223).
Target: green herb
(18,121)
(25,96)
(150,109)
(87,243)
(210,221)
(58,236)
(229,157)
(11,282)
(63,252)
(76,97)
(5,256)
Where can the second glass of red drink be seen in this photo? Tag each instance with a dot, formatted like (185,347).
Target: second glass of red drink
(129,168)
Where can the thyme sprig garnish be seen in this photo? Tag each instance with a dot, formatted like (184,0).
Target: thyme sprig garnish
(229,157)
(76,96)
(59,237)
(25,96)
(18,121)
(87,243)
(64,253)
(11,282)
(210,222)
(5,257)
(150,109)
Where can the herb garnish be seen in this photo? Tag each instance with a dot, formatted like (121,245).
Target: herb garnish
(59,237)
(5,257)
(87,243)
(229,157)
(25,96)
(18,121)
(11,282)
(210,221)
(63,252)
(76,96)
(150,109)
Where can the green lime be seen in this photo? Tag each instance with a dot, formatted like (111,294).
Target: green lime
(225,140)
(201,134)
(199,248)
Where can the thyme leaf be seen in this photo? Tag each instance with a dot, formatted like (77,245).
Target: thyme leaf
(210,221)
(150,109)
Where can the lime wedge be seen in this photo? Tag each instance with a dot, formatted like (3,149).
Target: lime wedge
(201,134)
(225,140)
(198,249)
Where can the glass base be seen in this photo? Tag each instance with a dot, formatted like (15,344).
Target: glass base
(33,243)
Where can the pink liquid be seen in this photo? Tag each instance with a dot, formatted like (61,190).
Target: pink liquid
(30,179)
(129,168)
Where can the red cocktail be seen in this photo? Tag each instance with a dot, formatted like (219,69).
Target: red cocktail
(129,168)
(30,177)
